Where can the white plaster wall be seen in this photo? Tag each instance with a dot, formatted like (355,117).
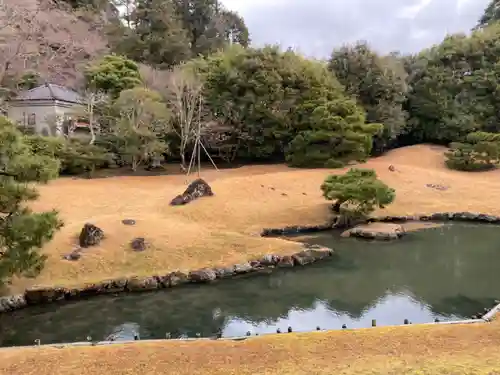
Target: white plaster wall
(42,114)
(45,115)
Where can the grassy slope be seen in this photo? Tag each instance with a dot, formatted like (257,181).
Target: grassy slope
(224,229)
(444,349)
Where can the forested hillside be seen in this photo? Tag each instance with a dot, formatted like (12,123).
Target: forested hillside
(193,62)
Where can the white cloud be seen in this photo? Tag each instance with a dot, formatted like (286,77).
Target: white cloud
(317,26)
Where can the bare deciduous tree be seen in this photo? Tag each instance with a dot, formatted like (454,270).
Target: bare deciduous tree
(89,100)
(43,36)
(17,27)
(184,94)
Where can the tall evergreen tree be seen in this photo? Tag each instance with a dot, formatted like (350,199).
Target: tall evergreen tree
(491,14)
(22,232)
(156,36)
(378,83)
(210,26)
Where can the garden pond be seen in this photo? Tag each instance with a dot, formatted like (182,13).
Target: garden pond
(446,273)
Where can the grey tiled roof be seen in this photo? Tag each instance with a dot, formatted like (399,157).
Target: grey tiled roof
(49,91)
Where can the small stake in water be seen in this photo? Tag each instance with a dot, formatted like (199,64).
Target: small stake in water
(374,322)
(344,326)
(289,329)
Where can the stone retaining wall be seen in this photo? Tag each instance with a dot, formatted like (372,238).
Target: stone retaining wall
(37,296)
(471,217)
(310,254)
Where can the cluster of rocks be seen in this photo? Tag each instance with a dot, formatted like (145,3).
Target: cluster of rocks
(440,216)
(196,189)
(92,235)
(41,295)
(291,230)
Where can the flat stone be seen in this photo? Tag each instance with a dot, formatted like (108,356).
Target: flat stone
(465,216)
(74,255)
(376,231)
(114,286)
(224,272)
(286,262)
(36,295)
(11,303)
(269,260)
(311,255)
(176,278)
(204,275)
(135,284)
(243,268)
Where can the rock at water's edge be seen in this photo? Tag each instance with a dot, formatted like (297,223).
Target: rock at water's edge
(204,275)
(376,231)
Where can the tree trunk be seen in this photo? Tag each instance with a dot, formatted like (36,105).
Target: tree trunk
(343,222)
(336,207)
(135,163)
(183,162)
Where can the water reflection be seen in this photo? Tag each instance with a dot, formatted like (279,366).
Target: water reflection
(423,277)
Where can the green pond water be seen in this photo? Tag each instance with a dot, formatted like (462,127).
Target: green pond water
(449,273)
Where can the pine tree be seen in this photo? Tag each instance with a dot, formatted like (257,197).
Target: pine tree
(22,232)
(356,193)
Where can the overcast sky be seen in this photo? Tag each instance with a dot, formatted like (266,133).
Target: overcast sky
(315,27)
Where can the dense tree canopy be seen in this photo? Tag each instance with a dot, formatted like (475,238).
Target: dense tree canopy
(454,87)
(491,14)
(22,232)
(269,104)
(164,33)
(379,85)
(278,104)
(480,151)
(113,74)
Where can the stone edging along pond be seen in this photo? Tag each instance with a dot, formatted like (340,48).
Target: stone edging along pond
(310,254)
(470,217)
(43,295)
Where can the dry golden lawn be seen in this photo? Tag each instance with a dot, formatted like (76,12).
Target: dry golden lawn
(224,229)
(422,350)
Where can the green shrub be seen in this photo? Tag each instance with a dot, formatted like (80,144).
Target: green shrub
(357,193)
(479,152)
(75,156)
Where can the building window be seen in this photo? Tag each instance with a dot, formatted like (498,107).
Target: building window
(32,119)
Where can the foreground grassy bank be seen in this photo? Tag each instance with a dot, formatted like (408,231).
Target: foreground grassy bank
(224,229)
(431,349)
